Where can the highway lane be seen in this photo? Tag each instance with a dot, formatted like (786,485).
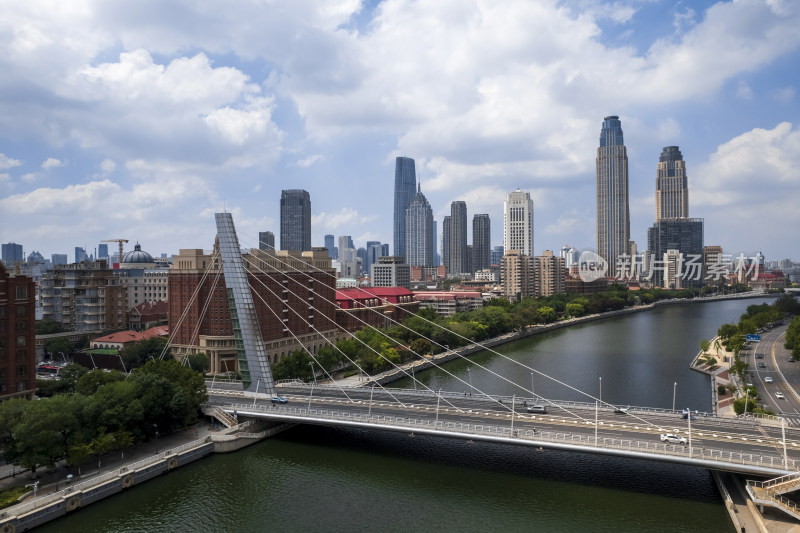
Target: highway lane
(771,352)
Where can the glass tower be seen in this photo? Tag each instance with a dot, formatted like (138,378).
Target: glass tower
(419,232)
(481,242)
(405,187)
(295,220)
(613,217)
(458,239)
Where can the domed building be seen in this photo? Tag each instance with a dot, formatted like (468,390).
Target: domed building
(138,258)
(145,281)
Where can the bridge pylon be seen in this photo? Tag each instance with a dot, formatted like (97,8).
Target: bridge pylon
(253,361)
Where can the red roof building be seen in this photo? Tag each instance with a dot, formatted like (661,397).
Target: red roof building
(374,306)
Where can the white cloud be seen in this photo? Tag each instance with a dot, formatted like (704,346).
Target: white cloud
(785,95)
(108,166)
(52,162)
(7,162)
(308,161)
(343,220)
(29,177)
(744,91)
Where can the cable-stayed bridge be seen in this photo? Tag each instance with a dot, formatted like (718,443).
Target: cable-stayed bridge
(755,446)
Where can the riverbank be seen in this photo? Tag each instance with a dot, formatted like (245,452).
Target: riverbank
(409,369)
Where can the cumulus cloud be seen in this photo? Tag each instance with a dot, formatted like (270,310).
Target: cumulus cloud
(344,219)
(108,166)
(52,162)
(7,162)
(744,91)
(310,160)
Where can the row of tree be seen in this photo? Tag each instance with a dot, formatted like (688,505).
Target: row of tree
(376,349)
(99,411)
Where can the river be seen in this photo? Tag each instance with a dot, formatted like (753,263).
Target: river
(323,479)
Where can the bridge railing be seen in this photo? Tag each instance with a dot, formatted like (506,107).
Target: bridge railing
(771,461)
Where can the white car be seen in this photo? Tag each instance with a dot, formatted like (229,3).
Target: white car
(673,439)
(779,395)
(768,379)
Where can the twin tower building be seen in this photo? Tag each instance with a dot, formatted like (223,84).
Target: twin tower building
(673,231)
(415,230)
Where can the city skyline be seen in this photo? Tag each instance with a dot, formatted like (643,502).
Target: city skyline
(122,126)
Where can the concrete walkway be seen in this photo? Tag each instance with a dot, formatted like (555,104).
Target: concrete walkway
(55,479)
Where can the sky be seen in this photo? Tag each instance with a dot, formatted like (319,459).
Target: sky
(140,120)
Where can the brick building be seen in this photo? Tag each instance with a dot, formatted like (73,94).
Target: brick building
(293,292)
(376,306)
(17,336)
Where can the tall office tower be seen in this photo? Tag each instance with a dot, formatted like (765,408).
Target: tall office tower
(497,255)
(518,223)
(102,251)
(361,255)
(405,186)
(613,216)
(332,249)
(295,220)
(683,235)
(58,259)
(436,258)
(712,260)
(419,232)
(12,252)
(481,242)
(266,240)
(672,189)
(80,254)
(347,252)
(446,242)
(458,238)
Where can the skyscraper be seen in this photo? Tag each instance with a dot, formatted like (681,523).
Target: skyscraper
(685,237)
(458,238)
(419,231)
(12,252)
(613,217)
(102,251)
(405,186)
(518,223)
(295,220)
(481,242)
(672,190)
(446,242)
(80,254)
(266,240)
(332,250)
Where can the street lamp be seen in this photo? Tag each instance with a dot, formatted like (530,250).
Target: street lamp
(313,375)
(674,387)
(312,387)
(532,393)
(470,381)
(601,389)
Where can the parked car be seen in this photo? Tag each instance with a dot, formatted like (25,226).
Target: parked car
(673,439)
(768,379)
(779,395)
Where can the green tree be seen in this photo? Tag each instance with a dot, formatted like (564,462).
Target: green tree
(704,346)
(89,382)
(199,362)
(47,327)
(421,346)
(136,354)
(548,314)
(70,375)
(57,346)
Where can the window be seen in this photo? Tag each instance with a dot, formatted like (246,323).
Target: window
(2,311)
(21,325)
(22,293)
(22,310)
(22,355)
(21,371)
(22,340)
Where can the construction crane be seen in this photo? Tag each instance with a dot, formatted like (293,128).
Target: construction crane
(120,241)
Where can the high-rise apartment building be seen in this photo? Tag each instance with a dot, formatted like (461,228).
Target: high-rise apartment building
(712,259)
(458,239)
(517,275)
(295,220)
(12,252)
(266,240)
(419,231)
(672,190)
(550,274)
(446,242)
(481,242)
(518,222)
(405,187)
(613,216)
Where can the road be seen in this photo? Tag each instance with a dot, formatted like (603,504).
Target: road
(785,375)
